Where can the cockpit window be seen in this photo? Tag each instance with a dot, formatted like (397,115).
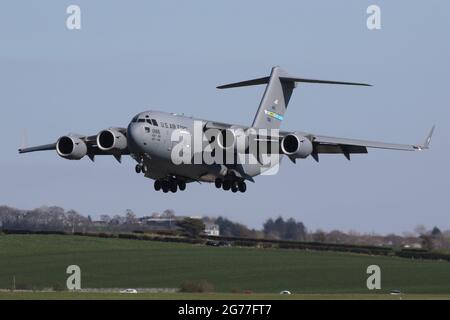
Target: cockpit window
(146,119)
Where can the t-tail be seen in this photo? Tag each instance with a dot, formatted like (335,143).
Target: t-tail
(276,97)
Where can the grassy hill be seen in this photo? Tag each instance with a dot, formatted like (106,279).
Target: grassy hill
(40,261)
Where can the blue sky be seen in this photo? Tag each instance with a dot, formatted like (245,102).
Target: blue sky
(132,56)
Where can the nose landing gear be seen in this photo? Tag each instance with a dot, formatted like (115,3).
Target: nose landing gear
(141,168)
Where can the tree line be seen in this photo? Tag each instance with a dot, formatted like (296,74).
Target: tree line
(54,218)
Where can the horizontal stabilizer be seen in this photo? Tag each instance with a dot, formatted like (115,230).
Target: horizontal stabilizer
(265,80)
(289,79)
(247,83)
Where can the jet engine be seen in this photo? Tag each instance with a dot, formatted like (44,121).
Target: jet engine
(296,146)
(111,139)
(71,147)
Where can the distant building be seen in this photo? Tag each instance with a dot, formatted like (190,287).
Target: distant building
(163,222)
(413,246)
(169,222)
(158,223)
(212,229)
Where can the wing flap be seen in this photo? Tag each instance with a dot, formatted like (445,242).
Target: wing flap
(334,149)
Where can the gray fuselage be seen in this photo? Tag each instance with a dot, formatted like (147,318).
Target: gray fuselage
(149,141)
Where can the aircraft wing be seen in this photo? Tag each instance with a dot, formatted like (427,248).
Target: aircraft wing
(91,144)
(335,145)
(44,147)
(345,146)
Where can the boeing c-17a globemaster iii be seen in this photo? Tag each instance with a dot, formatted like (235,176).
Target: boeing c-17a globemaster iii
(174,149)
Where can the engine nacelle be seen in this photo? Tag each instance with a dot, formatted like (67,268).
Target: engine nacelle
(71,147)
(296,146)
(233,138)
(111,139)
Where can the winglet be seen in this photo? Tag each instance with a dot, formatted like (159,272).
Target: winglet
(24,144)
(426,144)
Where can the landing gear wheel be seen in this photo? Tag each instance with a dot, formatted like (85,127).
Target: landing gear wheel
(218,183)
(138,168)
(165,186)
(234,189)
(181,185)
(242,186)
(144,168)
(226,185)
(157,185)
(173,187)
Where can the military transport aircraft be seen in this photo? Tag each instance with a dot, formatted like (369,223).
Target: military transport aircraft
(149,140)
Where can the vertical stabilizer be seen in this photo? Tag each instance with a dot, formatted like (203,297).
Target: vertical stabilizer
(274,101)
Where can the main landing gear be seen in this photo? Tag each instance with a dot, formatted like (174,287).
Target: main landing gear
(171,185)
(234,185)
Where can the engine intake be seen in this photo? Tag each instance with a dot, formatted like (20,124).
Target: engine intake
(72,148)
(111,140)
(296,146)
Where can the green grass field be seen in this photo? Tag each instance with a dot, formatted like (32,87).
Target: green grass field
(40,261)
(210,296)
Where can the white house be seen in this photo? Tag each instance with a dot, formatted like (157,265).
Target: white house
(212,229)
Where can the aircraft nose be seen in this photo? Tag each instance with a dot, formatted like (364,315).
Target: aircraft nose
(134,136)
